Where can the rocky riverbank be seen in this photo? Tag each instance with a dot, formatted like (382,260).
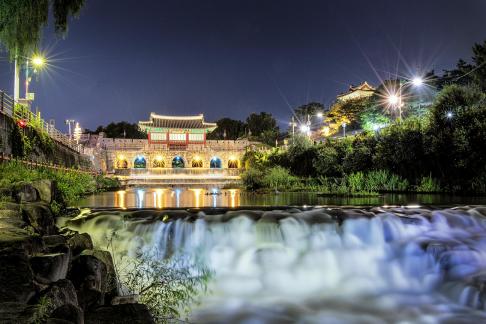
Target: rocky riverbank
(52,275)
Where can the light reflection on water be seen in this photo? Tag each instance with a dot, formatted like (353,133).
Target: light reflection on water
(216,197)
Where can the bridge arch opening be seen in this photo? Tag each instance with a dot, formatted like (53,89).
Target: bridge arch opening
(121,163)
(158,162)
(233,163)
(197,162)
(178,162)
(215,163)
(140,162)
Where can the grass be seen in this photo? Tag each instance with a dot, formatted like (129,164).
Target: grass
(71,184)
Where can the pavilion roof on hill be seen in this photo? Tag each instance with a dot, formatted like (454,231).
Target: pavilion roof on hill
(177,122)
(364,87)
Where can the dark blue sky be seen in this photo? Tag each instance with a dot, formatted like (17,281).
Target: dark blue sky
(123,59)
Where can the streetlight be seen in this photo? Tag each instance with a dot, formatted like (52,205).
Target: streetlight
(320,114)
(69,122)
(293,124)
(344,129)
(395,100)
(305,129)
(417,81)
(449,115)
(38,62)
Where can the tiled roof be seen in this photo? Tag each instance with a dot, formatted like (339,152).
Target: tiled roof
(179,122)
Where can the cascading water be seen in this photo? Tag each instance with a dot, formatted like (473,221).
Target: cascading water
(380,265)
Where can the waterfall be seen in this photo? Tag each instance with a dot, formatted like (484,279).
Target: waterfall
(323,265)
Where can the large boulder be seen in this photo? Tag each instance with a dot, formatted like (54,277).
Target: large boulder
(47,190)
(51,267)
(25,192)
(16,277)
(93,275)
(67,313)
(80,242)
(12,312)
(120,314)
(59,293)
(39,216)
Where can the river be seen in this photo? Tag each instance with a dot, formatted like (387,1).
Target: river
(375,264)
(215,197)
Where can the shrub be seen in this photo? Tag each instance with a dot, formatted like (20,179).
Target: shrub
(428,184)
(252,179)
(279,178)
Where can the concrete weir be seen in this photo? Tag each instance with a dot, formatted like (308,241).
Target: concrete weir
(168,176)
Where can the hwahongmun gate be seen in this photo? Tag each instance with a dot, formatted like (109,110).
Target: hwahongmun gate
(176,152)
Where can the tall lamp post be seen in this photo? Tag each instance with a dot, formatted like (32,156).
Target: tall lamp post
(70,122)
(395,99)
(38,62)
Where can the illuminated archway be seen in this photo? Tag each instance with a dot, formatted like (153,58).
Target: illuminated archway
(197,162)
(177,162)
(139,162)
(121,163)
(215,163)
(158,162)
(233,163)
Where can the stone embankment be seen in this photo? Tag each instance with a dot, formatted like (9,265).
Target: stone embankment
(48,275)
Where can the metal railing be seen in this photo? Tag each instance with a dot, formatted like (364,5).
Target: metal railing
(19,111)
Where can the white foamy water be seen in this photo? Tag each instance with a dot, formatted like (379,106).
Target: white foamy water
(305,267)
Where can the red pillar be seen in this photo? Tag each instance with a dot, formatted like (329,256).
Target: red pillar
(187,138)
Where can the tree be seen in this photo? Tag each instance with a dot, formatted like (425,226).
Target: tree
(121,130)
(456,136)
(263,127)
(310,109)
(22,21)
(228,128)
(347,112)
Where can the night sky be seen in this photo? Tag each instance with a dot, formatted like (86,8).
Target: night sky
(123,59)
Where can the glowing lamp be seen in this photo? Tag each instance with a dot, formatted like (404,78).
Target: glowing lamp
(393,99)
(417,81)
(304,128)
(449,114)
(319,114)
(38,61)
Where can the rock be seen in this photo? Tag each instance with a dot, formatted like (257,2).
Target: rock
(67,313)
(17,313)
(39,216)
(47,190)
(129,299)
(59,293)
(53,240)
(49,268)
(315,216)
(25,193)
(89,298)
(274,216)
(16,277)
(120,314)
(93,275)
(80,242)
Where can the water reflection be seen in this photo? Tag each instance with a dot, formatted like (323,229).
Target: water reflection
(165,198)
(216,197)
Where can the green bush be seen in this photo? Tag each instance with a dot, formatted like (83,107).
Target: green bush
(428,184)
(279,178)
(71,184)
(252,179)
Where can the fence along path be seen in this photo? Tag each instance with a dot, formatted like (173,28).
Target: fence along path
(19,111)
